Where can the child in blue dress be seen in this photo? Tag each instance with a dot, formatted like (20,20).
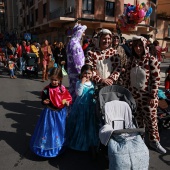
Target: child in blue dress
(81,121)
(49,138)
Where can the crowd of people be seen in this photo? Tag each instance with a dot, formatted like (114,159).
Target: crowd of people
(17,53)
(105,59)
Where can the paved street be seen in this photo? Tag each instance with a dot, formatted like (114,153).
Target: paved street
(20,108)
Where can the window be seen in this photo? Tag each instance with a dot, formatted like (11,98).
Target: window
(36,15)
(110,8)
(32,18)
(44,10)
(31,3)
(88,6)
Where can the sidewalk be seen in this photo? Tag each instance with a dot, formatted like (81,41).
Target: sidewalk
(164,65)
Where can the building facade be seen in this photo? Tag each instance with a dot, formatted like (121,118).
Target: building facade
(54,19)
(163,24)
(2,17)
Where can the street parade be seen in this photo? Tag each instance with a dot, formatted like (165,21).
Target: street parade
(95,96)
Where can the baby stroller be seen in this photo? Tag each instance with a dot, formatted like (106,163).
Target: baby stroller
(31,65)
(126,149)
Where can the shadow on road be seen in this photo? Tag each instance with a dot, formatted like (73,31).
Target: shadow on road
(165,141)
(25,116)
(76,160)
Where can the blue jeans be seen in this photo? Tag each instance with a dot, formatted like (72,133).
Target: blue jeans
(22,63)
(11,72)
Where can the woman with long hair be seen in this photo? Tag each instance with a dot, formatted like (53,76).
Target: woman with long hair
(45,53)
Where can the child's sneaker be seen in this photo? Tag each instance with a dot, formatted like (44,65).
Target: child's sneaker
(158,147)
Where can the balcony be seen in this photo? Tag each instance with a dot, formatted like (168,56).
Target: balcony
(61,12)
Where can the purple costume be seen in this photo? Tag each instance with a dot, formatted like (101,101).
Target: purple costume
(75,57)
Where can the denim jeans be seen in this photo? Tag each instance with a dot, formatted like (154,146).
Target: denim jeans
(22,63)
(11,71)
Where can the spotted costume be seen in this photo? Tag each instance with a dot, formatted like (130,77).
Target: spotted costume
(143,79)
(105,63)
(75,57)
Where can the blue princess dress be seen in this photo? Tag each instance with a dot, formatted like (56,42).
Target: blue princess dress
(81,125)
(48,139)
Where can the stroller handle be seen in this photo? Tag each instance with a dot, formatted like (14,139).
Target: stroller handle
(136,130)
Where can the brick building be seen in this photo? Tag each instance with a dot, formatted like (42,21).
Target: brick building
(53,19)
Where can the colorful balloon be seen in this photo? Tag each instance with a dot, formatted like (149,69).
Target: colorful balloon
(133,15)
(142,13)
(148,13)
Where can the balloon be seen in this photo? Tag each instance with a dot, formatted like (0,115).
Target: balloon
(143,4)
(140,20)
(135,15)
(130,8)
(140,7)
(142,13)
(132,15)
(137,7)
(148,13)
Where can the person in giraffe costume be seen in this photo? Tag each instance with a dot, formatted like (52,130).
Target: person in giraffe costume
(143,79)
(75,57)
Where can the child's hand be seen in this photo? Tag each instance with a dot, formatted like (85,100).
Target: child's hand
(63,63)
(67,103)
(83,80)
(46,101)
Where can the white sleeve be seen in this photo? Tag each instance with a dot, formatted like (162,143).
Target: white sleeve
(79,88)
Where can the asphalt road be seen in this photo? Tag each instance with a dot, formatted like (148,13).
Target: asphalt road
(20,108)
